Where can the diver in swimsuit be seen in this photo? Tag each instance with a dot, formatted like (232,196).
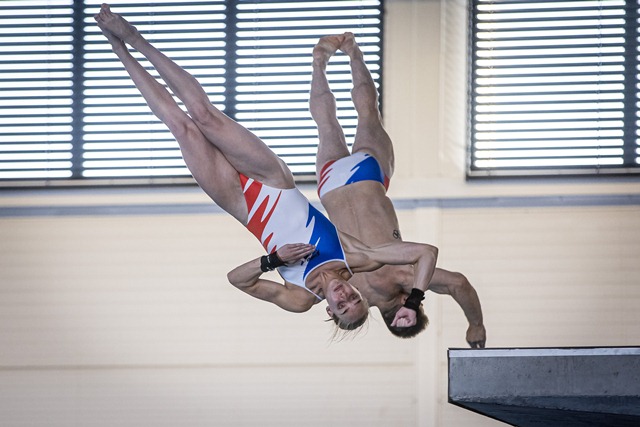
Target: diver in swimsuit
(277,217)
(217,151)
(352,188)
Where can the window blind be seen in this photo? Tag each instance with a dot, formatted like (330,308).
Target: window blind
(120,136)
(275,41)
(36,89)
(554,87)
(70,114)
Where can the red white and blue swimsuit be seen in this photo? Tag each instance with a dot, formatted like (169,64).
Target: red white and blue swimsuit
(349,170)
(280,216)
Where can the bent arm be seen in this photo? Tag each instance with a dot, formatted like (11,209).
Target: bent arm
(422,256)
(246,277)
(458,286)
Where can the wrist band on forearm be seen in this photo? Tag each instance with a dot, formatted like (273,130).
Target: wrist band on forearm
(270,262)
(415,298)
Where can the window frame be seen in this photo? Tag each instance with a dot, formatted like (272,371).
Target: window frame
(79,48)
(630,109)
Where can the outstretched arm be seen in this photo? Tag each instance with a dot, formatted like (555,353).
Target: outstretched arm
(455,284)
(246,277)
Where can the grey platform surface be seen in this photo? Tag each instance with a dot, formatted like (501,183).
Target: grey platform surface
(531,387)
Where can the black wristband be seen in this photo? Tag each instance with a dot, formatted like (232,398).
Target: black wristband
(270,262)
(415,298)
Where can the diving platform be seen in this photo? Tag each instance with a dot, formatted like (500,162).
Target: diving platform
(536,387)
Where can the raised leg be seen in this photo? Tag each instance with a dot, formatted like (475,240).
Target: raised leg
(370,134)
(209,167)
(244,150)
(322,104)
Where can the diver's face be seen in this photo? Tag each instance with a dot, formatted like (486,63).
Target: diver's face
(344,301)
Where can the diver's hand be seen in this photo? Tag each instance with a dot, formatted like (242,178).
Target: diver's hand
(294,252)
(476,336)
(405,317)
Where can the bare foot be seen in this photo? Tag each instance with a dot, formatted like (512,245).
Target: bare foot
(350,47)
(326,47)
(116,43)
(116,25)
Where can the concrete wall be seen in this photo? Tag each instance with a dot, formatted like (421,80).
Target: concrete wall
(115,310)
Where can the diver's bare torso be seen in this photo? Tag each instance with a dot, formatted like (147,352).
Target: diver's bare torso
(363,210)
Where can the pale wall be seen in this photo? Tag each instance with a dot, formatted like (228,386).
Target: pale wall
(127,319)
